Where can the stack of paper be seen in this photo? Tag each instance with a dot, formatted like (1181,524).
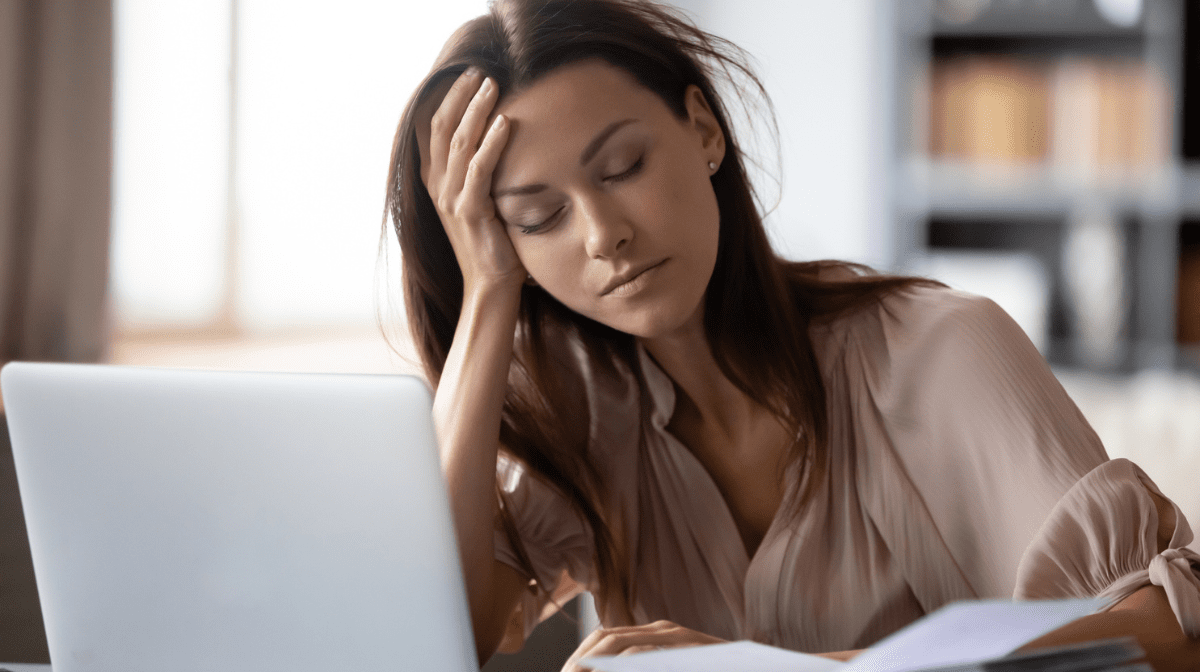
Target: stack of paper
(960,637)
(1106,655)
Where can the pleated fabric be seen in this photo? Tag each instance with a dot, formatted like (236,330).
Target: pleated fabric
(959,469)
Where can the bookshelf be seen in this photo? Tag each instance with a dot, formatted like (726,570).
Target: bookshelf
(1052,130)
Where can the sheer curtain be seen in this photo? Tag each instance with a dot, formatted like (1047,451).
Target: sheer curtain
(252,141)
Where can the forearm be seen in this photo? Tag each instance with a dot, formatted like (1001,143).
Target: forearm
(467,412)
(1146,615)
(844,656)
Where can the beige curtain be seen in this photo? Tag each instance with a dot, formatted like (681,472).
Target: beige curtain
(55,177)
(55,174)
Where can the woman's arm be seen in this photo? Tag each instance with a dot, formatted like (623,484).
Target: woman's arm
(466,413)
(1145,615)
(458,157)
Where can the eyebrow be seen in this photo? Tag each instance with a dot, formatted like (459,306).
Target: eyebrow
(602,137)
(586,155)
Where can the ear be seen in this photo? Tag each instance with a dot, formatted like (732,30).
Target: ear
(704,122)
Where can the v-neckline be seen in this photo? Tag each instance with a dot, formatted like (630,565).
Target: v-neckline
(663,398)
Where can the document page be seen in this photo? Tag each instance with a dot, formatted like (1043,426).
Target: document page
(959,633)
(743,656)
(968,632)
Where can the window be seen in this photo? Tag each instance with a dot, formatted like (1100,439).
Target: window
(251,148)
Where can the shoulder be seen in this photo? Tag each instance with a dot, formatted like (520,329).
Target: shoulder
(926,304)
(924,310)
(950,379)
(924,326)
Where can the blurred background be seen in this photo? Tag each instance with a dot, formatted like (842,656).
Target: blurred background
(199,183)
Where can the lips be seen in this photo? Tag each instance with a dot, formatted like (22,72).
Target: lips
(625,281)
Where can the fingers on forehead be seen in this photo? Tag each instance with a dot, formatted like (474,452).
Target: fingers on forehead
(428,106)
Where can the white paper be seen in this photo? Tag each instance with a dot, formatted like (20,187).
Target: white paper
(959,633)
(745,656)
(968,632)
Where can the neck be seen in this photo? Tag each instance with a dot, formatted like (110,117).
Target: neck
(706,398)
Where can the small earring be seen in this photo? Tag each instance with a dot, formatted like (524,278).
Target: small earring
(712,166)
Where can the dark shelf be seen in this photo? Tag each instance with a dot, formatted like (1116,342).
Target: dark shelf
(994,233)
(1189,234)
(1187,307)
(1190,83)
(1040,45)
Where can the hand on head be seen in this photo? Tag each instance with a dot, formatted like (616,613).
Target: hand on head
(459,152)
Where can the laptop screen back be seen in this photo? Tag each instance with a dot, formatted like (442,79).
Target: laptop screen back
(184,520)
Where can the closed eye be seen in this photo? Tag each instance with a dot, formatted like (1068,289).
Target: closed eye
(534,228)
(630,172)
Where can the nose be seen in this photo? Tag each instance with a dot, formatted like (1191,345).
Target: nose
(607,230)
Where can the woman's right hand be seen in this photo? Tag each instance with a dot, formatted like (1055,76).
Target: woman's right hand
(458,158)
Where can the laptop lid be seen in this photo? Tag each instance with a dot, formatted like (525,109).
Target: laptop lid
(199,520)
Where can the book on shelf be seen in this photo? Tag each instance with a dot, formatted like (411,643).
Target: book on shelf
(989,109)
(1109,115)
(1187,295)
(1095,118)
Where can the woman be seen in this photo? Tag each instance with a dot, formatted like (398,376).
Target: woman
(635,396)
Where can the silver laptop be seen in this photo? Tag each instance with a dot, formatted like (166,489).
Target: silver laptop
(219,521)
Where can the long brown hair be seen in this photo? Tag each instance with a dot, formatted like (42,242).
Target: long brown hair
(758,306)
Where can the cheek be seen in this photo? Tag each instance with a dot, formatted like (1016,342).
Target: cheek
(682,180)
(686,198)
(548,259)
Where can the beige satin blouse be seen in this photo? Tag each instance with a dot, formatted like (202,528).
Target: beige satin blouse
(959,469)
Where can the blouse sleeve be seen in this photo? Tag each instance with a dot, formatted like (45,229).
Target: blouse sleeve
(992,459)
(1108,537)
(556,541)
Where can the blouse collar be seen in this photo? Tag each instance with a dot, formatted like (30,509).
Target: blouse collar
(660,387)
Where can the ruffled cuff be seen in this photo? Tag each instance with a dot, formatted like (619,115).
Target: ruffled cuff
(1102,540)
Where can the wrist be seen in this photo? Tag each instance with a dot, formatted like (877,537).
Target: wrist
(494,292)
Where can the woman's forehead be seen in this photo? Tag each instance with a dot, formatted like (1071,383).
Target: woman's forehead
(563,111)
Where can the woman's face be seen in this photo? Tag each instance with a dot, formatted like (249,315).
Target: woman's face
(605,194)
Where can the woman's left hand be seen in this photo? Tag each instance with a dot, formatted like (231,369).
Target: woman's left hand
(635,639)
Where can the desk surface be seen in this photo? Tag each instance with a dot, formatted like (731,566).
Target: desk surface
(24,667)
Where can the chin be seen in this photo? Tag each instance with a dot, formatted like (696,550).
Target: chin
(656,322)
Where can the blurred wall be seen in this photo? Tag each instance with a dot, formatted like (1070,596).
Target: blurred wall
(821,63)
